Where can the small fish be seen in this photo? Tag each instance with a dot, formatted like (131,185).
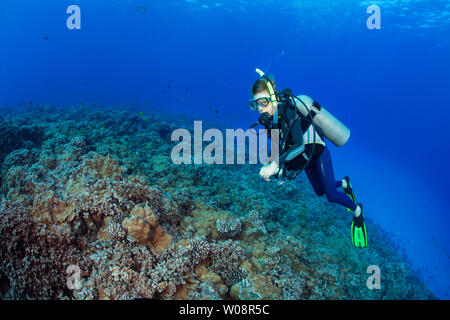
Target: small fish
(102,128)
(168,86)
(146,120)
(45,38)
(231,116)
(29,102)
(187,89)
(141,9)
(217,111)
(142,113)
(48,83)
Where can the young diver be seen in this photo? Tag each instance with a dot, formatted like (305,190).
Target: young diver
(303,124)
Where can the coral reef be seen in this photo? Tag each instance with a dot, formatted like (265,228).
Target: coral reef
(229,228)
(144,228)
(94,187)
(13,137)
(33,258)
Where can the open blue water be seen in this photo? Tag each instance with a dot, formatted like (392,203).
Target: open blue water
(390,86)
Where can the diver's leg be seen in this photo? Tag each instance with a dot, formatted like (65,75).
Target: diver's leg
(313,174)
(348,189)
(329,182)
(358,227)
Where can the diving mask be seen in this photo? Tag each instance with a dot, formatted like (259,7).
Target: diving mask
(262,102)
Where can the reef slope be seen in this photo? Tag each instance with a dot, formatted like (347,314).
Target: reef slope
(90,193)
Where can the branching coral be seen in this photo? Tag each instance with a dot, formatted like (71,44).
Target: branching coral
(226,261)
(229,228)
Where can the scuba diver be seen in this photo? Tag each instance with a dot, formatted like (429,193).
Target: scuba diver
(303,126)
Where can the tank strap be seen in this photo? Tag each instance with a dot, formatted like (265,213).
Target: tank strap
(305,122)
(315,109)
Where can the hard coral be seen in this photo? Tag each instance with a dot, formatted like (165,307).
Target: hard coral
(226,261)
(34,259)
(229,228)
(68,199)
(144,228)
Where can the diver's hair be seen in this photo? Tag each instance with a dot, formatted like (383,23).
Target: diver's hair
(260,85)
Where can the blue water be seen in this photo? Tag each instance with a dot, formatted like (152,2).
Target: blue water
(390,86)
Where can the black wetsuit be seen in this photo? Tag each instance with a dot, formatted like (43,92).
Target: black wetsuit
(292,126)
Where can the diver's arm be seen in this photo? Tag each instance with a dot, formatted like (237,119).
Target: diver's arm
(295,150)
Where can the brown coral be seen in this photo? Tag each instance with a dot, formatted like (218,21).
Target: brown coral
(144,228)
(103,166)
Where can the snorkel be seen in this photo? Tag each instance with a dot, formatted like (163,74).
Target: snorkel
(265,119)
(273,96)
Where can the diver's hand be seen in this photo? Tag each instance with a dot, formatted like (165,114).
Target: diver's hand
(269,170)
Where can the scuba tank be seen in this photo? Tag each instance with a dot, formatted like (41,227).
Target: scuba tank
(330,127)
(325,124)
